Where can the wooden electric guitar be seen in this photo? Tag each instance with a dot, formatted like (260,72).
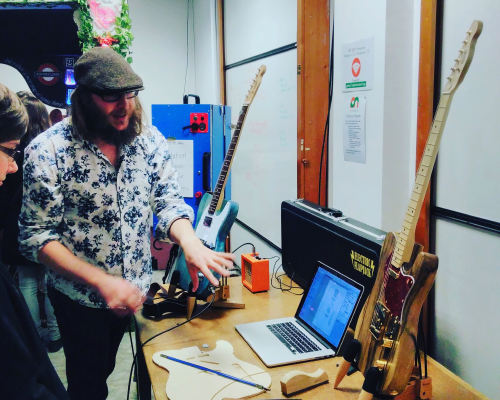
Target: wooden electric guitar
(215,215)
(387,326)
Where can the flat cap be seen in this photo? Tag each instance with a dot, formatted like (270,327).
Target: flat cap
(102,70)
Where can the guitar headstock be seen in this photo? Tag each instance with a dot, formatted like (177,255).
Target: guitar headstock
(255,85)
(464,58)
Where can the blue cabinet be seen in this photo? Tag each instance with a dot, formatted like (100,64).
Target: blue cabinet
(208,127)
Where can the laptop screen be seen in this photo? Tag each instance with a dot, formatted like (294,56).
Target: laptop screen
(329,304)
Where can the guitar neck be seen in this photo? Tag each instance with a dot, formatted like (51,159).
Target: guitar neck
(406,238)
(217,199)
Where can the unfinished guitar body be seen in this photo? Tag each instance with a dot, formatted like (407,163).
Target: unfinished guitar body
(185,382)
(394,349)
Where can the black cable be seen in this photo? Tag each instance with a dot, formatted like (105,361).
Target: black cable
(417,352)
(421,328)
(130,378)
(284,287)
(182,323)
(327,126)
(251,244)
(134,362)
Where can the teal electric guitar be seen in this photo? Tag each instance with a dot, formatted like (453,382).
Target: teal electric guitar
(215,215)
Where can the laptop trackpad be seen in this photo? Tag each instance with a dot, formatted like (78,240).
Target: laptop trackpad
(272,350)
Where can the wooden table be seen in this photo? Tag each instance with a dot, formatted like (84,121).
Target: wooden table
(216,324)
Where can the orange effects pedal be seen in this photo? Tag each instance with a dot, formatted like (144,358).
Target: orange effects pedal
(254,272)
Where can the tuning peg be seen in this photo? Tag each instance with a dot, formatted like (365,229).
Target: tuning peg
(465,41)
(468,32)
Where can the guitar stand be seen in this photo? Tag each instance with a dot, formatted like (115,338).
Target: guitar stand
(417,388)
(222,294)
(162,300)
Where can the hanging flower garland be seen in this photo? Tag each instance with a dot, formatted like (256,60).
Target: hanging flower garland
(106,26)
(119,37)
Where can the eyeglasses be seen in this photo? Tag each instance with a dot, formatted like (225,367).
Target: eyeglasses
(13,153)
(113,98)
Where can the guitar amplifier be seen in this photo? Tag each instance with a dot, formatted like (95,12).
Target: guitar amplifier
(311,233)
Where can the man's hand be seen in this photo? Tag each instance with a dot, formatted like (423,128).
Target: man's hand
(198,257)
(122,297)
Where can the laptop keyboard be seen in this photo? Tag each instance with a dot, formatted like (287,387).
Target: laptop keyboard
(292,338)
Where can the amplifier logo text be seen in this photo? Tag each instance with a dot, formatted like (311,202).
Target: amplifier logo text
(362,264)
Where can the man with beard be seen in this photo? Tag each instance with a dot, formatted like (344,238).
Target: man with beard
(90,186)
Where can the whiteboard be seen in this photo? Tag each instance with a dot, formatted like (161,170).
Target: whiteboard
(264,170)
(466,305)
(468,169)
(468,172)
(257,26)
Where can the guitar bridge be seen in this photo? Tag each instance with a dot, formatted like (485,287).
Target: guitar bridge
(206,244)
(207,221)
(379,320)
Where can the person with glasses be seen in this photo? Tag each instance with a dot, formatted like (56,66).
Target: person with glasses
(91,184)
(31,275)
(25,368)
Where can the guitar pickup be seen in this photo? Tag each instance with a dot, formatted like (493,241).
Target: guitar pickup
(380,317)
(207,221)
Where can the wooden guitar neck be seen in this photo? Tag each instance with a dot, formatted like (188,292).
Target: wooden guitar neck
(217,199)
(406,237)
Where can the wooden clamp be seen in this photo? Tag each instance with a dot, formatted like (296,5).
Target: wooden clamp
(296,381)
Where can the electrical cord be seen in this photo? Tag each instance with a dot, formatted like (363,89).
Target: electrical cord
(284,287)
(238,268)
(417,355)
(244,244)
(421,328)
(133,356)
(134,362)
(327,126)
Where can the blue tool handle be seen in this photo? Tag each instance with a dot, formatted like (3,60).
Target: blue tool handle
(215,372)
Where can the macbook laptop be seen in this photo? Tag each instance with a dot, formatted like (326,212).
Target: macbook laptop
(319,326)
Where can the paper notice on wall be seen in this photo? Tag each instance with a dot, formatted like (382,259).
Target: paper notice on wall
(354,129)
(183,160)
(357,65)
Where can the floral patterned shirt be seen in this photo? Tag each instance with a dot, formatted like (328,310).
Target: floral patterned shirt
(74,195)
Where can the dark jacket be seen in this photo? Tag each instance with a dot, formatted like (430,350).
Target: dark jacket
(11,198)
(25,368)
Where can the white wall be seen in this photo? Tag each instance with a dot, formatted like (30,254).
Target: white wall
(206,52)
(252,28)
(159,50)
(468,172)
(377,192)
